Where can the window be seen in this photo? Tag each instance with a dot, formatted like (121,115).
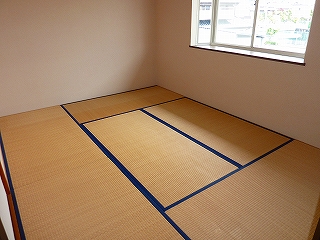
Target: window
(274,27)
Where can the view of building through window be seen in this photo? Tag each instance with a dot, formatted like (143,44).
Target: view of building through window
(205,17)
(281,25)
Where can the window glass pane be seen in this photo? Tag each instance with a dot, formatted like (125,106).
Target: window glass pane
(205,13)
(234,22)
(283,24)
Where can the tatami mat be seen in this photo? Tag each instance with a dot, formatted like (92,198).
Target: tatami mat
(275,198)
(93,202)
(41,143)
(235,138)
(97,108)
(66,188)
(169,165)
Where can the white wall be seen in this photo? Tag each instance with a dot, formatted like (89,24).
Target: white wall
(53,52)
(280,96)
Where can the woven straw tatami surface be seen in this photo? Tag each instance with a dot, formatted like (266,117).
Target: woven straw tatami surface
(275,198)
(169,165)
(66,188)
(235,138)
(92,109)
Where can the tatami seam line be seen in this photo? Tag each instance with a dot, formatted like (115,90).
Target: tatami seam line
(161,209)
(231,161)
(13,195)
(70,115)
(239,166)
(224,157)
(123,169)
(130,176)
(267,153)
(225,176)
(133,110)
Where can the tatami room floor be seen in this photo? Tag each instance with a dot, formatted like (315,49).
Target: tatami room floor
(153,164)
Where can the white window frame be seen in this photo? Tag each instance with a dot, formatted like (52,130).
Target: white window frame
(277,55)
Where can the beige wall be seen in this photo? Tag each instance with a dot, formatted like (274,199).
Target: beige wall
(53,52)
(280,96)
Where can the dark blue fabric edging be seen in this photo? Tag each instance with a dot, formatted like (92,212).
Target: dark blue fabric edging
(15,204)
(123,169)
(130,177)
(69,114)
(266,154)
(201,189)
(145,192)
(129,110)
(238,165)
(226,176)
(134,181)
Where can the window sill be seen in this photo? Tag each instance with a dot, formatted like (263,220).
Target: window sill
(255,54)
